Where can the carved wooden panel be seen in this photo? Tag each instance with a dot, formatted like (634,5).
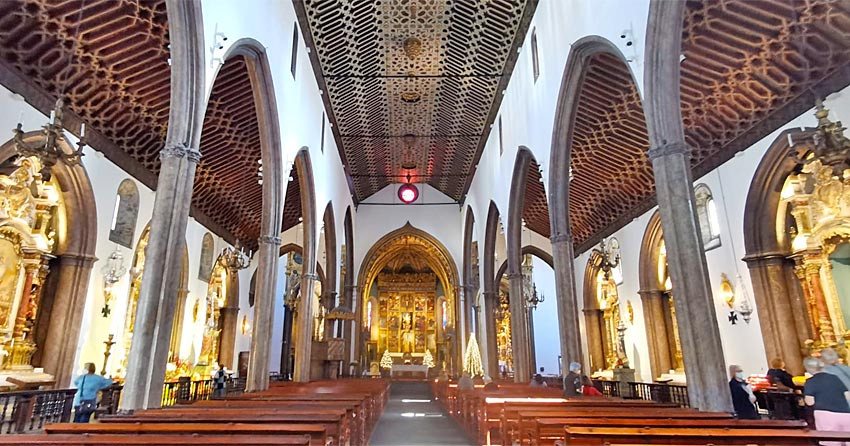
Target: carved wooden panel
(611,171)
(413,82)
(118,81)
(292,201)
(751,66)
(535,212)
(226,187)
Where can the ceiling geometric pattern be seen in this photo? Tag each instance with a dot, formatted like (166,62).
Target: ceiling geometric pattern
(413,83)
(610,168)
(226,187)
(292,201)
(746,63)
(118,82)
(749,68)
(535,212)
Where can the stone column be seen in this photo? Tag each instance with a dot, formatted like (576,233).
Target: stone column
(60,347)
(258,359)
(491,306)
(708,387)
(781,308)
(565,290)
(304,335)
(229,322)
(519,329)
(348,293)
(656,332)
(155,311)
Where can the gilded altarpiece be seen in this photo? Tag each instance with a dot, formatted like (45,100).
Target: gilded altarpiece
(30,207)
(503,327)
(818,198)
(409,320)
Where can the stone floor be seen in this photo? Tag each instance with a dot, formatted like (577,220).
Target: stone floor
(413,418)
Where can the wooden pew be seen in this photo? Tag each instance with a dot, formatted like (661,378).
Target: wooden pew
(514,425)
(549,430)
(598,436)
(316,432)
(336,420)
(507,419)
(153,440)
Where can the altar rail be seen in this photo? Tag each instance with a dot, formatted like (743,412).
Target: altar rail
(660,393)
(29,410)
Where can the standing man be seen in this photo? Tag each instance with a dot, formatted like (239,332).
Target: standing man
(743,398)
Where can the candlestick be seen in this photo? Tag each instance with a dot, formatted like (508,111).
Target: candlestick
(83,130)
(109,343)
(52,116)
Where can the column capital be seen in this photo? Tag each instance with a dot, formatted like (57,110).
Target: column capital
(270,240)
(673,148)
(561,238)
(512,276)
(311,276)
(77,259)
(180,150)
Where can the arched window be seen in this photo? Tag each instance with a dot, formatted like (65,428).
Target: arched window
(125,214)
(709,222)
(207,247)
(251,289)
(535,59)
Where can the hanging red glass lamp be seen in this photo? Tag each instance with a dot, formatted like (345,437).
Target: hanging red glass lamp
(408,193)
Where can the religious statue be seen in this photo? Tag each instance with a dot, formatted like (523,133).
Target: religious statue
(407,338)
(17,191)
(293,290)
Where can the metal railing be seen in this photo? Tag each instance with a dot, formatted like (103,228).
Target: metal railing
(660,393)
(29,410)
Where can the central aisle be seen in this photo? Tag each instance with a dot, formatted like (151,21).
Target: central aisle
(413,418)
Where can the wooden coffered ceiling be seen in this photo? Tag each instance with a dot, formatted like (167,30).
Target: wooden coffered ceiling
(412,82)
(535,212)
(118,81)
(749,67)
(292,201)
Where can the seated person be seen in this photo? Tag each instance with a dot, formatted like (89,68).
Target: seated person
(588,389)
(779,377)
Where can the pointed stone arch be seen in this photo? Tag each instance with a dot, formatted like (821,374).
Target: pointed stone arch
(491,290)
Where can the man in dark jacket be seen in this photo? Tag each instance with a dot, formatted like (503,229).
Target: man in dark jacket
(743,398)
(572,382)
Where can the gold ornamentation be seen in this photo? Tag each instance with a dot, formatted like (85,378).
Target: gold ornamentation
(412,47)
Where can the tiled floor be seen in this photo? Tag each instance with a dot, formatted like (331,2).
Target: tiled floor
(413,418)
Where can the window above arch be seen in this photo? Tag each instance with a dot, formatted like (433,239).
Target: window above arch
(207,247)
(709,221)
(125,214)
(535,59)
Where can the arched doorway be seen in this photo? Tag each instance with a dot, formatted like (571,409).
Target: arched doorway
(603,315)
(137,270)
(292,269)
(656,293)
(800,264)
(408,283)
(58,292)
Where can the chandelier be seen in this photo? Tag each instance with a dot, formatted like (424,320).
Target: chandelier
(609,252)
(534,298)
(49,152)
(236,258)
